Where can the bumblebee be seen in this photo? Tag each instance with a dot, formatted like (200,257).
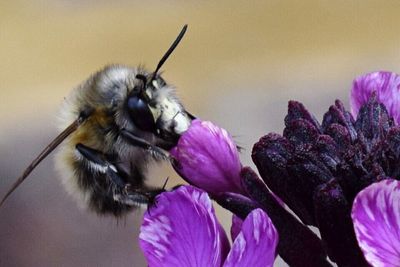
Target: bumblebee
(113,125)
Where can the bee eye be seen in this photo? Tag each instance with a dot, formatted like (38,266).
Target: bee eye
(140,113)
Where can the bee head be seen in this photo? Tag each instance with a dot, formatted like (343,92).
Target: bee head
(153,107)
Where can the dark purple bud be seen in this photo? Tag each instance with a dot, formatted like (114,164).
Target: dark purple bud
(332,212)
(338,115)
(340,134)
(275,142)
(271,155)
(392,153)
(236,203)
(327,150)
(301,132)
(354,176)
(373,120)
(296,111)
(306,173)
(298,245)
(393,141)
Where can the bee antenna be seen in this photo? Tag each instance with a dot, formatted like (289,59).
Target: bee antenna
(142,78)
(45,152)
(142,88)
(169,51)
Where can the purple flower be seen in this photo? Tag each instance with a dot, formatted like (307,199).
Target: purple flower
(318,169)
(207,157)
(376,218)
(386,86)
(182,230)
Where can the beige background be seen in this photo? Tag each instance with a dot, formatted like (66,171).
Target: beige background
(239,64)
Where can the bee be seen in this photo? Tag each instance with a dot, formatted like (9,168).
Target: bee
(114,124)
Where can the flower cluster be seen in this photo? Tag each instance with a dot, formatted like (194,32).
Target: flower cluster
(339,175)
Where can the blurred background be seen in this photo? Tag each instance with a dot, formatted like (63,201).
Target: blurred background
(238,65)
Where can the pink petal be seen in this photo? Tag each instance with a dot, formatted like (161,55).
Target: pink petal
(255,245)
(208,158)
(387,88)
(376,219)
(181,230)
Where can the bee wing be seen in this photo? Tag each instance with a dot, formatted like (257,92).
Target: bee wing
(46,151)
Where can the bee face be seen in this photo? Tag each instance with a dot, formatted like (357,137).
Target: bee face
(112,125)
(153,107)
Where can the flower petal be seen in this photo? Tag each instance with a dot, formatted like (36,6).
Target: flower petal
(208,158)
(387,88)
(182,230)
(236,226)
(256,244)
(376,219)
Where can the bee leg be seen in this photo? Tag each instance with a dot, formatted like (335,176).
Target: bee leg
(99,161)
(121,191)
(134,197)
(147,196)
(137,141)
(92,155)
